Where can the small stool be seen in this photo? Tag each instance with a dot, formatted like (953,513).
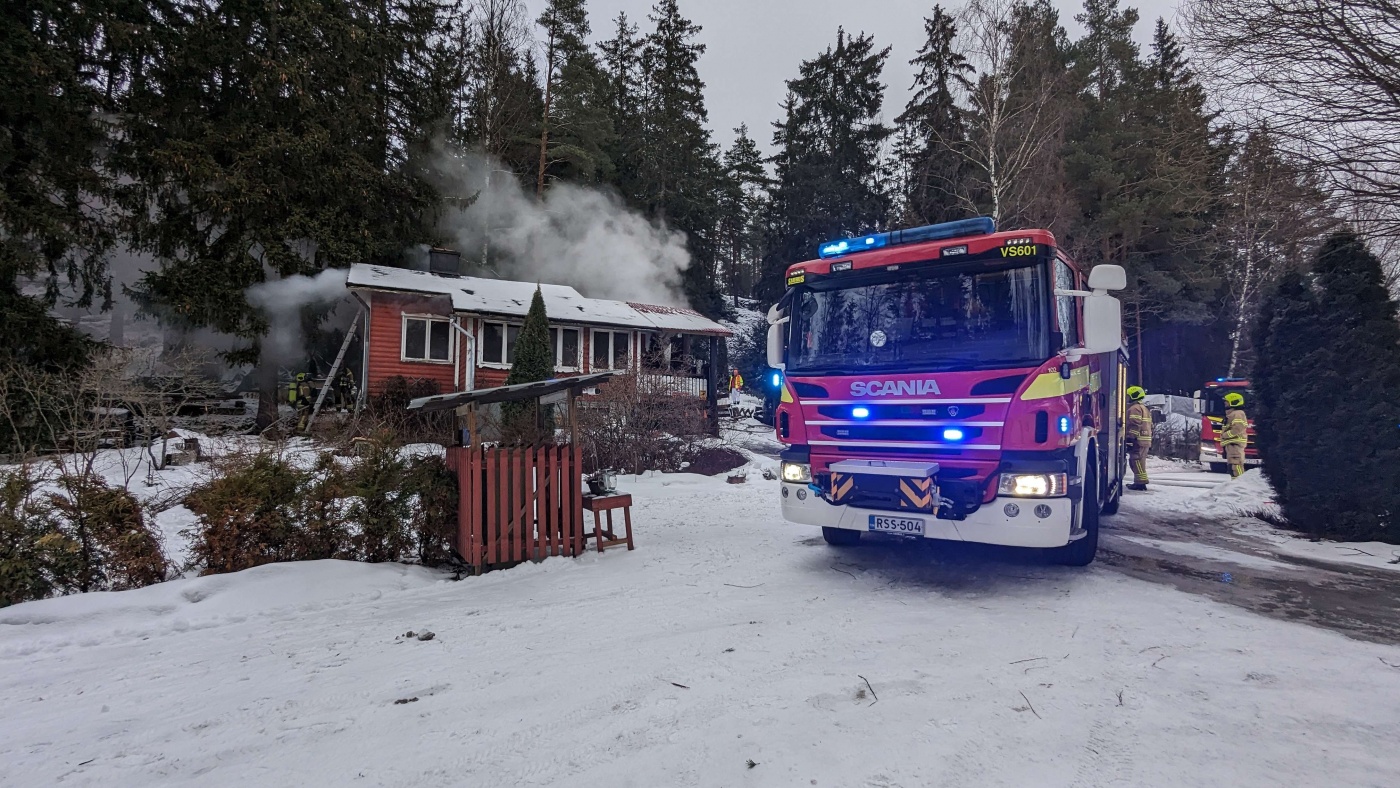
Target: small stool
(607,503)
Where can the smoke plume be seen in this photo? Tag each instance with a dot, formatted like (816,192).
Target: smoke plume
(575,236)
(282,300)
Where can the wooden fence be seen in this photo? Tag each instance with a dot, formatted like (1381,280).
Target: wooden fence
(518,504)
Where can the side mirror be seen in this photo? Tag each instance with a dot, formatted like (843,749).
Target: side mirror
(775,346)
(1108,277)
(1103,322)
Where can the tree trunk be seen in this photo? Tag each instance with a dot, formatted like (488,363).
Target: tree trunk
(544,122)
(266,376)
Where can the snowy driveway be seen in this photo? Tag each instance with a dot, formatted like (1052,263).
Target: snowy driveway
(728,638)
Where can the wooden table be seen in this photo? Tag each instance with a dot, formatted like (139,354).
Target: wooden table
(599,504)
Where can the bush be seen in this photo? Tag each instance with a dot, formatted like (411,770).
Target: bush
(382,506)
(34,555)
(434,523)
(247,515)
(635,424)
(85,536)
(377,507)
(1326,408)
(387,413)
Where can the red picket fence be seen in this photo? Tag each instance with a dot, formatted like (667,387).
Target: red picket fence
(518,504)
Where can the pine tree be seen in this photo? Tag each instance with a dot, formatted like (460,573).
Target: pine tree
(830,178)
(575,129)
(931,128)
(1331,370)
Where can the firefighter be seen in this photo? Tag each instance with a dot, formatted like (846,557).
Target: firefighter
(1236,432)
(736,382)
(1139,436)
(299,394)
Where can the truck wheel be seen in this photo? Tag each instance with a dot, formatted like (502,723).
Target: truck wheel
(1220,467)
(1082,551)
(1111,505)
(841,537)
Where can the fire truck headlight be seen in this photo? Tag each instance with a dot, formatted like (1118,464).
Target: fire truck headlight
(1033,485)
(797,472)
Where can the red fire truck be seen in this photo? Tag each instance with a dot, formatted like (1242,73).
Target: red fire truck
(1212,400)
(951,382)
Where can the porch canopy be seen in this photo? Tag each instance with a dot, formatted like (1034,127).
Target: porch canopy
(517,393)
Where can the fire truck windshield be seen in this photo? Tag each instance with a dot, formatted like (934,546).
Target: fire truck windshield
(922,318)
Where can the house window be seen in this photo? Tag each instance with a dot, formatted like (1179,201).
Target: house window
(611,349)
(566,347)
(498,343)
(427,339)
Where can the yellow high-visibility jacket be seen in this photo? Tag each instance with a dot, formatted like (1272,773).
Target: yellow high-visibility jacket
(1139,425)
(1236,428)
(736,381)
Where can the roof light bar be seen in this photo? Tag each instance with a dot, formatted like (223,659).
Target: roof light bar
(982,225)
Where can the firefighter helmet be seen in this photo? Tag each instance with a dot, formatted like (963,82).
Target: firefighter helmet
(1234,399)
(1136,393)
(301,376)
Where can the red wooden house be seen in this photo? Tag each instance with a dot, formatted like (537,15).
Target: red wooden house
(460,331)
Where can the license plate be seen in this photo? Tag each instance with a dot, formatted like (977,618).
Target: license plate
(904,526)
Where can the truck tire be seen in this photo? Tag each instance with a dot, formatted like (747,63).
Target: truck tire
(1111,505)
(841,537)
(1081,552)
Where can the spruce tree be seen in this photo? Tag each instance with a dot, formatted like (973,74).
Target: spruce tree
(931,128)
(534,354)
(622,55)
(1330,376)
(257,149)
(534,361)
(678,165)
(54,121)
(830,176)
(741,201)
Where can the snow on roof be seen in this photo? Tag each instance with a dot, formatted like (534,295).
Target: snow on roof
(512,299)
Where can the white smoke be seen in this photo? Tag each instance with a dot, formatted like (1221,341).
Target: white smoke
(282,300)
(576,236)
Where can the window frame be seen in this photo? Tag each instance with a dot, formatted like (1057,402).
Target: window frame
(558,338)
(428,320)
(506,326)
(612,352)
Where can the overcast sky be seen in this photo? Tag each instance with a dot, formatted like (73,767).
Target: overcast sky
(755,45)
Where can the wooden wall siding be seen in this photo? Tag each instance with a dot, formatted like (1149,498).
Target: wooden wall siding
(518,504)
(386,312)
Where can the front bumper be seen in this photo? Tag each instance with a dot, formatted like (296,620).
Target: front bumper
(990,524)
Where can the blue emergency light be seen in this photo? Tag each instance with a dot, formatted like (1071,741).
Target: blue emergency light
(1064,425)
(982,225)
(860,412)
(777,379)
(953,435)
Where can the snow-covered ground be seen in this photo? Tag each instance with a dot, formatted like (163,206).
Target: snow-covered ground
(730,649)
